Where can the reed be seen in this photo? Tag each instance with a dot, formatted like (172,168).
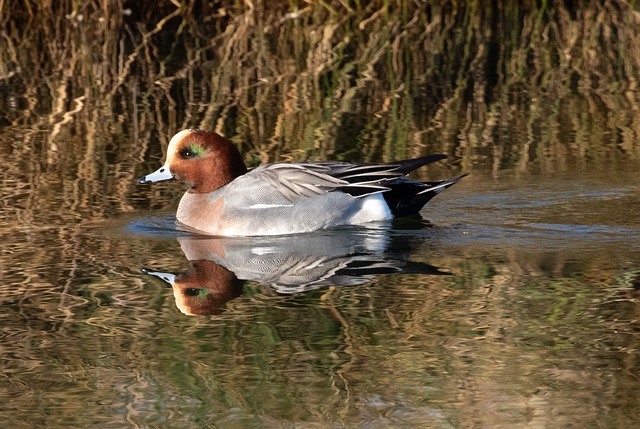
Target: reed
(91,91)
(97,88)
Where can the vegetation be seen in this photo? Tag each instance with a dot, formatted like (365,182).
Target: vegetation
(90,93)
(502,85)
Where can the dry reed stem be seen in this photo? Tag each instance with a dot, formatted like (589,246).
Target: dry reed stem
(375,81)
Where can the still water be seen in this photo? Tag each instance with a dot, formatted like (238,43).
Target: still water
(512,301)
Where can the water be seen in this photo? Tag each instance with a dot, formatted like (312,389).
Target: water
(504,305)
(512,301)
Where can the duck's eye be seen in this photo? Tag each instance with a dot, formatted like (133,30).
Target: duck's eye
(187,153)
(192,151)
(195,292)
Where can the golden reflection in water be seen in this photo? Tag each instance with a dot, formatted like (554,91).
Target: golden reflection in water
(365,82)
(526,332)
(514,335)
(301,84)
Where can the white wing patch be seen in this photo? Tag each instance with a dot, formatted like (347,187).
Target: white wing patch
(269,206)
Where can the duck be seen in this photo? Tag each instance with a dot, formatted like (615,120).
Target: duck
(225,198)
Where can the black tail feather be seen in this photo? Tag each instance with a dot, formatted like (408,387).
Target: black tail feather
(408,165)
(404,196)
(407,197)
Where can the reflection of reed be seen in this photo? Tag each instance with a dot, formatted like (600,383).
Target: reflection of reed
(504,87)
(97,326)
(85,101)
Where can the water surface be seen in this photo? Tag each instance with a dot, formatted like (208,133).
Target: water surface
(512,301)
(507,303)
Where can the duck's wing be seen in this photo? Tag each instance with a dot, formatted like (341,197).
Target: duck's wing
(359,174)
(279,184)
(295,181)
(366,173)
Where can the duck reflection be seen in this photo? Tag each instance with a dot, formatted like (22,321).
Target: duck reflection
(204,288)
(219,267)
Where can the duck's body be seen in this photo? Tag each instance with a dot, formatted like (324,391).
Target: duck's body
(225,199)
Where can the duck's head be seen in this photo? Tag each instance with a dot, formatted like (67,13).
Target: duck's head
(204,288)
(203,159)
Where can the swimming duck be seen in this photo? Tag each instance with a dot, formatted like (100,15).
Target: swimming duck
(227,199)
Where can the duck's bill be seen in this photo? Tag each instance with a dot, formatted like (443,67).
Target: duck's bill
(163,173)
(167,277)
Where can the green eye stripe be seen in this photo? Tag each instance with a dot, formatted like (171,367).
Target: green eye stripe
(192,151)
(196,292)
(197,149)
